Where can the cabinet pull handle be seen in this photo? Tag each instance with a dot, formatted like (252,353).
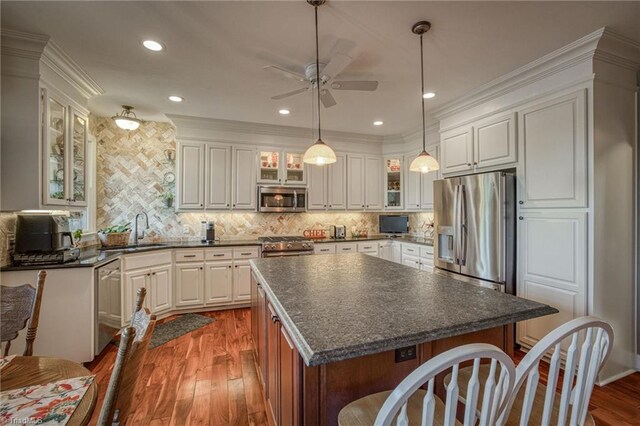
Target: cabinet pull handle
(245,254)
(189,255)
(218,255)
(275,319)
(520,202)
(521,218)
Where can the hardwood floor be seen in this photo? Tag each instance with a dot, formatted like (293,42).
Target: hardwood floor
(208,377)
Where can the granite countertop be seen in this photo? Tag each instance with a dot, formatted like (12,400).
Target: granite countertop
(378,237)
(337,307)
(95,257)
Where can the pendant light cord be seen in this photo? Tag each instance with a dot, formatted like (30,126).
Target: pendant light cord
(424,131)
(318,76)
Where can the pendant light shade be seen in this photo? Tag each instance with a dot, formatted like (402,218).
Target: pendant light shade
(319,153)
(423,163)
(127,119)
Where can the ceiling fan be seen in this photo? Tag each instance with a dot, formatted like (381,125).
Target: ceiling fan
(328,72)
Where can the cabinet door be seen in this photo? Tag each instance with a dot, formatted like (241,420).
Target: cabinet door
(413,185)
(218,182)
(241,280)
(273,337)
(551,268)
(132,282)
(337,188)
(426,198)
(77,159)
(218,283)
(189,284)
(54,135)
(262,336)
(457,150)
(373,183)
(244,181)
(161,289)
(317,189)
(294,168)
(190,176)
(393,183)
(355,182)
(495,141)
(269,167)
(554,144)
(289,367)
(396,254)
(411,261)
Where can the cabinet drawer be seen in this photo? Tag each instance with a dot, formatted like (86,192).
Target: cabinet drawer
(426,251)
(370,247)
(346,248)
(189,255)
(246,252)
(147,260)
(324,249)
(412,261)
(411,250)
(218,254)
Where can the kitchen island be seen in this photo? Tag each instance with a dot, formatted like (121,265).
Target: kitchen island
(331,329)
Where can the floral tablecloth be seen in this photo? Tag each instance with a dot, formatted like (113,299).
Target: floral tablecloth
(50,404)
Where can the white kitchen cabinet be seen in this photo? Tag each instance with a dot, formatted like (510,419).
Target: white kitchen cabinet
(393,182)
(281,167)
(160,289)
(457,150)
(191,176)
(244,179)
(346,248)
(413,186)
(241,281)
(218,282)
(317,188)
(218,180)
(355,182)
(411,261)
(552,268)
(324,248)
(189,285)
(553,140)
(337,183)
(373,183)
(494,141)
(64,136)
(426,182)
(133,280)
(369,247)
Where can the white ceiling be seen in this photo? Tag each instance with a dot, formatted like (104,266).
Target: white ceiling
(215,52)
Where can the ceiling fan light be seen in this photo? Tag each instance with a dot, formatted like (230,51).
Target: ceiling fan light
(319,154)
(424,163)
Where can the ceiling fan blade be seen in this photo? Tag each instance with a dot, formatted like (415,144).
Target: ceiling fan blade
(285,73)
(286,95)
(335,66)
(367,86)
(327,98)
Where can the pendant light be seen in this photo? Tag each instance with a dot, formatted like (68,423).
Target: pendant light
(423,163)
(319,153)
(127,119)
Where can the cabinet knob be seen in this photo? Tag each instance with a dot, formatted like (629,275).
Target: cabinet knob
(363,205)
(229,266)
(275,319)
(200,205)
(521,218)
(325,205)
(475,163)
(201,268)
(148,274)
(468,164)
(330,205)
(234,205)
(153,273)
(227,205)
(236,266)
(520,202)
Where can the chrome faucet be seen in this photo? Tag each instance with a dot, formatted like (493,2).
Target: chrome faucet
(135,235)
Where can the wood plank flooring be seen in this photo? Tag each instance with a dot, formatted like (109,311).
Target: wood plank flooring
(208,377)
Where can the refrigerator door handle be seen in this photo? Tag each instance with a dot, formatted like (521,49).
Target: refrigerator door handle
(462,217)
(456,220)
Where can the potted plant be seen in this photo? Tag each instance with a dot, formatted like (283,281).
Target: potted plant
(115,235)
(77,237)
(168,198)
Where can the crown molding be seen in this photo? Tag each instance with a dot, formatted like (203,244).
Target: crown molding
(61,63)
(216,124)
(21,44)
(574,53)
(616,49)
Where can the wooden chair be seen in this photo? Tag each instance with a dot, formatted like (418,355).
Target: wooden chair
(17,306)
(124,379)
(588,342)
(408,404)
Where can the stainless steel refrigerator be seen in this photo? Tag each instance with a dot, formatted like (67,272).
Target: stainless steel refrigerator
(475,229)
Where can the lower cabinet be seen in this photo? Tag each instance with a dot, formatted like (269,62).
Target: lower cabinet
(189,284)
(158,283)
(218,283)
(241,280)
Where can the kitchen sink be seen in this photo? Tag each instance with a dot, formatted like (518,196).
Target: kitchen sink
(134,247)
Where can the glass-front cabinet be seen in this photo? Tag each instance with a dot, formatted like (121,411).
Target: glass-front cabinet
(393,168)
(281,167)
(65,145)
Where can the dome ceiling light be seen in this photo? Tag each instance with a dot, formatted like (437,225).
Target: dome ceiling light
(127,119)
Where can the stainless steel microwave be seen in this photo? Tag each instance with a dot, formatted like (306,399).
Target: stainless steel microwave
(281,199)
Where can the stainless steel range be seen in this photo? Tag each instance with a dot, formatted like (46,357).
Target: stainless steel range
(286,246)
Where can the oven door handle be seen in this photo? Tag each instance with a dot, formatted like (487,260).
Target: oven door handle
(287,253)
(295,199)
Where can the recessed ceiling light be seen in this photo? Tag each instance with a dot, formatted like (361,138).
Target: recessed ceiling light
(175,98)
(378,123)
(429,95)
(284,112)
(153,45)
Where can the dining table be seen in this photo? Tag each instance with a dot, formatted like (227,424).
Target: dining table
(25,371)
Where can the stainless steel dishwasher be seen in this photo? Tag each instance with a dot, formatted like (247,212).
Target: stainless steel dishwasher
(108,305)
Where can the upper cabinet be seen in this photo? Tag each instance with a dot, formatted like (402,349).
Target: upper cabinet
(327,189)
(218,180)
(393,182)
(317,188)
(191,176)
(355,182)
(64,133)
(484,144)
(281,167)
(244,179)
(419,186)
(364,182)
(553,140)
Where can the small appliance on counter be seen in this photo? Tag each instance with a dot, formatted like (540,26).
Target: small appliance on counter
(208,232)
(339,232)
(43,239)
